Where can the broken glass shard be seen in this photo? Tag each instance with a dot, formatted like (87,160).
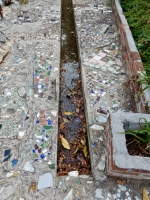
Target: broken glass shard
(14,162)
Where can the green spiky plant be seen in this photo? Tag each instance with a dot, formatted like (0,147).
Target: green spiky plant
(145,80)
(143,135)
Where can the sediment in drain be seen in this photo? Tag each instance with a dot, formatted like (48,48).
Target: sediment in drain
(73,153)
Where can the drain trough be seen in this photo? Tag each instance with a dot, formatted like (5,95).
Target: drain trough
(73,153)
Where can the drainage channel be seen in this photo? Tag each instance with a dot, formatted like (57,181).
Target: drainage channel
(73,152)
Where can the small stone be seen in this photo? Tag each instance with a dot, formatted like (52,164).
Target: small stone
(98,193)
(101,165)
(97,127)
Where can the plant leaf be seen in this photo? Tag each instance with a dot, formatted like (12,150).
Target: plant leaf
(65,143)
(62,125)
(145,195)
(85,151)
(83,142)
(143,91)
(65,120)
(68,113)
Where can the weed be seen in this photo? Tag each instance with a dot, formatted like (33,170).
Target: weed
(143,135)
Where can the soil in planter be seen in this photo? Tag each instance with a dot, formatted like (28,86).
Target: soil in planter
(135,147)
(73,153)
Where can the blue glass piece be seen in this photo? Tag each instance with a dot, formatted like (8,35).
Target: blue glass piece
(50,67)
(35,85)
(43,130)
(47,136)
(102,90)
(94,144)
(37,121)
(43,86)
(91,91)
(36,160)
(49,122)
(35,75)
(7,158)
(42,156)
(49,153)
(42,140)
(14,162)
(100,81)
(33,150)
(94,102)
(7,152)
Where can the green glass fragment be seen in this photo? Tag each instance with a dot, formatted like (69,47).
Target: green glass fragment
(35,155)
(47,127)
(21,103)
(52,166)
(0,126)
(43,145)
(48,72)
(41,133)
(48,132)
(78,182)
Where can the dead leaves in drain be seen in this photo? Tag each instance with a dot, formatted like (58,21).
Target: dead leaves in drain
(145,195)
(68,113)
(83,142)
(64,142)
(65,120)
(81,145)
(62,125)
(85,151)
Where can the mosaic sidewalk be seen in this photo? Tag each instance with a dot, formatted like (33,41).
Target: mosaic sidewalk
(29,78)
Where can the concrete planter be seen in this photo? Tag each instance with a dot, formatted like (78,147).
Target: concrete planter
(131,56)
(119,162)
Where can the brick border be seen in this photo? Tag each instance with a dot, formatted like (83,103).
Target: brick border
(131,57)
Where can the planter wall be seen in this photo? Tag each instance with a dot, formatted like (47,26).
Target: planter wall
(119,162)
(131,56)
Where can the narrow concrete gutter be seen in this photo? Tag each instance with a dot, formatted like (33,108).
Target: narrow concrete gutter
(132,57)
(86,100)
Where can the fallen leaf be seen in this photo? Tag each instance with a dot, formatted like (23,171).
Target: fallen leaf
(77,149)
(65,120)
(120,182)
(68,113)
(65,143)
(62,125)
(85,151)
(145,195)
(83,142)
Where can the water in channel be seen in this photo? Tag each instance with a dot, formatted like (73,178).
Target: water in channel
(73,153)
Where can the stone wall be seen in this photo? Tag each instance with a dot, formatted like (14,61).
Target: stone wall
(132,58)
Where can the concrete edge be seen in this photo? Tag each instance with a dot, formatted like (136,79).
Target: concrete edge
(117,171)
